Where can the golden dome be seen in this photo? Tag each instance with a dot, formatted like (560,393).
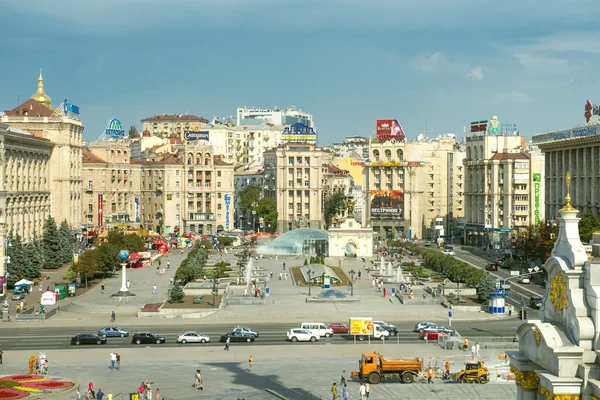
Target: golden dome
(40,96)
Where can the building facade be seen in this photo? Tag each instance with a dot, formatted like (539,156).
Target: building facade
(295,179)
(413,189)
(356,147)
(503,189)
(244,176)
(167,124)
(575,150)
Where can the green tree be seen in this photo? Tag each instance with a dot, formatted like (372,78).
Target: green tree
(334,206)
(305,261)
(133,243)
(486,285)
(267,210)
(34,261)
(226,240)
(588,224)
(132,131)
(51,245)
(546,237)
(176,294)
(249,197)
(184,274)
(66,241)
(88,265)
(17,267)
(108,257)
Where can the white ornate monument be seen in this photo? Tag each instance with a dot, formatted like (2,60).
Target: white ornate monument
(558,355)
(350,238)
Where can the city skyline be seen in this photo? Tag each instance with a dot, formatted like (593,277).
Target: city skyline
(528,66)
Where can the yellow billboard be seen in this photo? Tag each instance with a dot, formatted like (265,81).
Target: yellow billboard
(354,167)
(361,326)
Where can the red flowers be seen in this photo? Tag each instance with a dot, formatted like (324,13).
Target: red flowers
(15,387)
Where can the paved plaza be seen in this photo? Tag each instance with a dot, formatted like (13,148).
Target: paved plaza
(295,372)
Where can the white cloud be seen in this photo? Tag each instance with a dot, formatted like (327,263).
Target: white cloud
(438,62)
(476,74)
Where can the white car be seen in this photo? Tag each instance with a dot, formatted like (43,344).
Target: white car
(245,329)
(193,337)
(524,279)
(302,335)
(422,325)
(448,252)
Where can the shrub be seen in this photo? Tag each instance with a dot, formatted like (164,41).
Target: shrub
(176,294)
(197,300)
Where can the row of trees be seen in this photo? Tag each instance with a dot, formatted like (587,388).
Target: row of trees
(103,259)
(333,207)
(251,201)
(53,249)
(315,260)
(191,268)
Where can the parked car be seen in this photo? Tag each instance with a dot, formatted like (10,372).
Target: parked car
(245,329)
(87,338)
(535,302)
(18,296)
(524,279)
(302,335)
(504,285)
(448,252)
(427,243)
(238,337)
(388,327)
(339,328)
(432,335)
(492,267)
(422,325)
(192,337)
(147,338)
(113,331)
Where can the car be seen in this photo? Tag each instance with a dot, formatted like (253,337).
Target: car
(87,338)
(339,328)
(437,328)
(524,279)
(432,335)
(18,296)
(302,335)
(113,331)
(245,329)
(147,338)
(428,244)
(388,327)
(192,337)
(492,267)
(238,337)
(504,284)
(317,327)
(535,302)
(448,252)
(422,325)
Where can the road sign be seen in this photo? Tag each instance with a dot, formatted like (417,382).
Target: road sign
(515,273)
(449,314)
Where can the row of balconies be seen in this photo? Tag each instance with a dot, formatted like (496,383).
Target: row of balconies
(201,217)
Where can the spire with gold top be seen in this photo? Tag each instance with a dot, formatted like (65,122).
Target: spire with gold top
(40,96)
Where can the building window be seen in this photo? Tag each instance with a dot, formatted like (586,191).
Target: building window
(218,173)
(218,195)
(218,184)
(176,184)
(90,185)
(219,206)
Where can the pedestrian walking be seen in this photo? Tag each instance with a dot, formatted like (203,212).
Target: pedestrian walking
(91,389)
(384,292)
(250,362)
(128,283)
(368,389)
(100,394)
(109,396)
(345,393)
(148,386)
(102,288)
(118,361)
(112,316)
(362,391)
(477,347)
(172,280)
(78,393)
(280,275)
(271,274)
(168,264)
(1,352)
(473,351)
(113,360)
(343,378)
(429,375)
(154,290)
(246,291)
(157,269)
(157,394)
(227,344)
(284,266)
(286,276)
(334,391)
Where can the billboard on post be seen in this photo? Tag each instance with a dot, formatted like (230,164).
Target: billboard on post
(389,129)
(387,204)
(361,326)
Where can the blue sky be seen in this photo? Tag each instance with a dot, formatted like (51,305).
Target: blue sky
(434,63)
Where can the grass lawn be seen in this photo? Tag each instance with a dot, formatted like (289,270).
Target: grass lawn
(207,302)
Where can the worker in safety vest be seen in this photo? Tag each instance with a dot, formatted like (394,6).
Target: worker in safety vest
(447,373)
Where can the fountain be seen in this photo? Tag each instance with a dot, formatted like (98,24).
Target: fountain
(389,269)
(382,266)
(399,276)
(248,271)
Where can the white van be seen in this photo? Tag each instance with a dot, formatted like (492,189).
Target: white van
(317,327)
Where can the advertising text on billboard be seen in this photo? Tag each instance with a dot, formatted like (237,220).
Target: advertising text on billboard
(387,204)
(389,129)
(537,179)
(99,210)
(361,326)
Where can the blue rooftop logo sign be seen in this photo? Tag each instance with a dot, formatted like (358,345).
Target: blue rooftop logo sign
(299,133)
(114,129)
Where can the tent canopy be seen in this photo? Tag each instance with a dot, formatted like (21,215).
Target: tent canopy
(24,282)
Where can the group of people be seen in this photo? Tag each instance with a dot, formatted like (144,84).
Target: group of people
(363,391)
(115,361)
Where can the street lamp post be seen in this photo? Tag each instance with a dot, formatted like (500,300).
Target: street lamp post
(351,282)
(310,273)
(215,290)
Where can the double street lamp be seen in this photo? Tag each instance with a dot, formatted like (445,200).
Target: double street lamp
(310,274)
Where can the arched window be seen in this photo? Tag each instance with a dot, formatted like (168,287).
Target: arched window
(400,155)
(388,155)
(376,155)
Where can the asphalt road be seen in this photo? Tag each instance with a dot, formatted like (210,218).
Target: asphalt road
(23,338)
(518,292)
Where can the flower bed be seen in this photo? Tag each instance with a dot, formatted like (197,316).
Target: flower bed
(13,387)
(151,307)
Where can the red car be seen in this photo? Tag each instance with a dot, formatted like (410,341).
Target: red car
(432,334)
(339,328)
(492,267)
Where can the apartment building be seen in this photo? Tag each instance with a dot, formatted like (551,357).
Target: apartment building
(295,179)
(503,189)
(356,147)
(575,150)
(414,189)
(167,124)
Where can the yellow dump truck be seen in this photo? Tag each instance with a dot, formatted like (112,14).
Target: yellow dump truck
(374,368)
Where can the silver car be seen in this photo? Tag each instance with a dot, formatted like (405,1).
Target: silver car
(193,337)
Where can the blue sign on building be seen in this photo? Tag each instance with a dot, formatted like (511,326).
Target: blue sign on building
(114,129)
(195,135)
(227,198)
(137,209)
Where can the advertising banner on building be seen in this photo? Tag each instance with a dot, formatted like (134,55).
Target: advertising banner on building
(137,209)
(227,199)
(387,204)
(537,181)
(389,129)
(100,210)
